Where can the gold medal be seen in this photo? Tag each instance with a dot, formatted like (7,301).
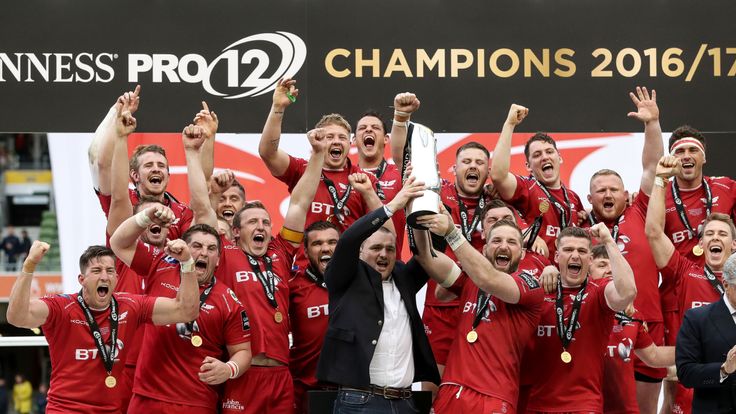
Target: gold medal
(196,341)
(544,206)
(278,317)
(697,250)
(110,381)
(472,336)
(566,357)
(36,331)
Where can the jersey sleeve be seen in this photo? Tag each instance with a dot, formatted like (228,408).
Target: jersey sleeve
(145,306)
(237,324)
(459,285)
(643,339)
(674,268)
(293,172)
(55,304)
(145,259)
(530,291)
(105,201)
(520,199)
(284,249)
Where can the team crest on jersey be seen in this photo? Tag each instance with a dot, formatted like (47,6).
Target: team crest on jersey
(572,296)
(343,186)
(621,244)
(529,280)
(715,200)
(123,316)
(232,295)
(387,184)
(207,307)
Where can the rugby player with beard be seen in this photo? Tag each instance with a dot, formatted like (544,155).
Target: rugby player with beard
(501,308)
(695,282)
(308,310)
(187,355)
(335,201)
(608,199)
(542,195)
(565,361)
(258,268)
(149,166)
(85,377)
(370,138)
(466,194)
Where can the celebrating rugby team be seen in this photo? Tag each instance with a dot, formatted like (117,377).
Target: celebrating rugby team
(533,303)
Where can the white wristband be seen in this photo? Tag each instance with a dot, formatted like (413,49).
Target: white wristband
(402,113)
(388,211)
(188,266)
(142,219)
(401,124)
(234,369)
(455,239)
(659,181)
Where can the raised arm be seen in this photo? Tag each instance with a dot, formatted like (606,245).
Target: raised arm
(622,291)
(24,311)
(277,160)
(662,247)
(305,189)
(121,207)
(503,180)
(185,307)
(474,264)
(405,104)
(209,122)
(123,242)
(101,148)
(441,268)
(648,113)
(194,140)
(362,183)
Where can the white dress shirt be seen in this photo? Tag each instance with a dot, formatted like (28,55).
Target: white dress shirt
(392,364)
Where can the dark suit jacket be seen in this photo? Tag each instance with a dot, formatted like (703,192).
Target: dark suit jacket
(706,335)
(356,310)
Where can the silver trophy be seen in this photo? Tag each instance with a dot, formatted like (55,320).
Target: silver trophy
(423,146)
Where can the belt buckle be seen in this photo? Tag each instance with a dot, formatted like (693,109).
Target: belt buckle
(385,393)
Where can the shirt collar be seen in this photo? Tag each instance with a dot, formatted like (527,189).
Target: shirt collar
(731,309)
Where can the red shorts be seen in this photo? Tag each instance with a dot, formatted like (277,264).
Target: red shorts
(261,390)
(141,404)
(440,324)
(683,403)
(453,399)
(656,331)
(671,326)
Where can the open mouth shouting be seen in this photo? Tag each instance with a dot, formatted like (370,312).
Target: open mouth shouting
(259,240)
(156,179)
(502,260)
(228,214)
(335,153)
(200,265)
(547,168)
(472,178)
(155,229)
(382,265)
(688,166)
(102,291)
(716,252)
(369,141)
(574,269)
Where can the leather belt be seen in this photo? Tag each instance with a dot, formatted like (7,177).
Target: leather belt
(388,393)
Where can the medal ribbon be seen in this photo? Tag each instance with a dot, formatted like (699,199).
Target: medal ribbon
(106,356)
(466,228)
(614,230)
(379,173)
(316,277)
(480,305)
(681,208)
(202,298)
(623,319)
(337,202)
(717,285)
(566,333)
(267,280)
(533,232)
(564,211)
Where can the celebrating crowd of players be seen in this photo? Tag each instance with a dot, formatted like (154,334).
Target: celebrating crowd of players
(533,304)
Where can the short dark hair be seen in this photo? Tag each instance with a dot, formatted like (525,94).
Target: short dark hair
(239,186)
(145,199)
(539,136)
(473,145)
(686,131)
(492,205)
(142,149)
(599,252)
(93,252)
(577,232)
(374,113)
(247,206)
(506,223)
(319,226)
(202,228)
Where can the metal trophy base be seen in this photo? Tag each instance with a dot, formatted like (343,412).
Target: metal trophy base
(422,206)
